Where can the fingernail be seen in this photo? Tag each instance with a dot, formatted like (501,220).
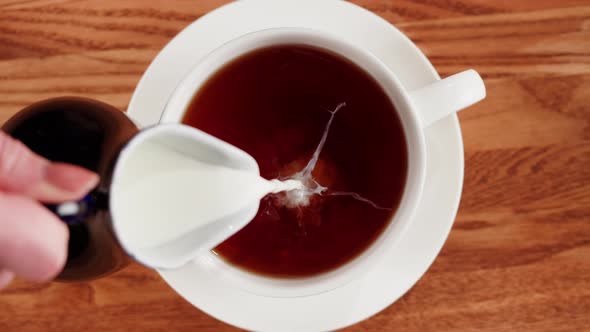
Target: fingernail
(70,178)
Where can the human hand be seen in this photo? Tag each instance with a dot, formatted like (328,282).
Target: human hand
(33,241)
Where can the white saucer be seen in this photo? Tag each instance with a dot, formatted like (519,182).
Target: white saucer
(405,263)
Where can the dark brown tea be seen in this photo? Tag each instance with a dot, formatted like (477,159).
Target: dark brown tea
(274,103)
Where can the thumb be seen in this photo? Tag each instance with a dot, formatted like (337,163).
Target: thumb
(33,242)
(24,172)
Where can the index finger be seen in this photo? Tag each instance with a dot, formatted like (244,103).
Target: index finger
(24,172)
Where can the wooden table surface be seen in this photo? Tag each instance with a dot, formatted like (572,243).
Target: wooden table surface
(518,257)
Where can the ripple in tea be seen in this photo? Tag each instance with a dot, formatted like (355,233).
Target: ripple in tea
(275,103)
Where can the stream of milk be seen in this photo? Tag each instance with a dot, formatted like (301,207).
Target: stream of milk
(168,201)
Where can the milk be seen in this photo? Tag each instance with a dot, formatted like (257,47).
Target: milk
(170,194)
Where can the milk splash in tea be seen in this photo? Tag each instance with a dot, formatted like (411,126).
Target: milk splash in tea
(309,186)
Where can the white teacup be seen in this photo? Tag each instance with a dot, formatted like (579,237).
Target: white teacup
(417,110)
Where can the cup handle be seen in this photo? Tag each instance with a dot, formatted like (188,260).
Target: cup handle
(450,95)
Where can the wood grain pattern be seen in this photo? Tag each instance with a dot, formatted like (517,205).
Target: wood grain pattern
(518,257)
